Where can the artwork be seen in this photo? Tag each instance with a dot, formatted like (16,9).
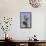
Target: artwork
(25,19)
(36,3)
(5,24)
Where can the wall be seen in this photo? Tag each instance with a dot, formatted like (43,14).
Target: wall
(45,28)
(12,8)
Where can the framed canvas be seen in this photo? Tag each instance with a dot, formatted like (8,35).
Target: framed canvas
(25,20)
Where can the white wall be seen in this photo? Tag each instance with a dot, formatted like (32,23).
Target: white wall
(12,8)
(45,28)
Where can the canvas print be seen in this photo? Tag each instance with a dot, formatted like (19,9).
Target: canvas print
(25,19)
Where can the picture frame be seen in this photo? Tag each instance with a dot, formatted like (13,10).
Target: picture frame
(25,19)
